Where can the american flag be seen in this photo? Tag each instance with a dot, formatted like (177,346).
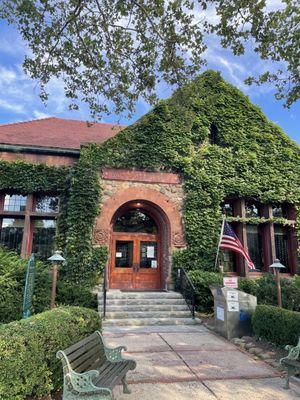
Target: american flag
(230,241)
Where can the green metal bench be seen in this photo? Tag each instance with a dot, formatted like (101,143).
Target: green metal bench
(91,370)
(291,363)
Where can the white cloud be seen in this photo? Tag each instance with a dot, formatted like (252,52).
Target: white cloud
(38,114)
(11,106)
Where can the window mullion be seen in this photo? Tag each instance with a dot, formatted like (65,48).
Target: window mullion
(27,233)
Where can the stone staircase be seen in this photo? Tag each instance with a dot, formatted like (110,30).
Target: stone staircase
(144,308)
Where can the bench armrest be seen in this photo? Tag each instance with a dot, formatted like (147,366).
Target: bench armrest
(294,353)
(83,383)
(115,354)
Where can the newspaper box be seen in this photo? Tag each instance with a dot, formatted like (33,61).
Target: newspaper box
(233,310)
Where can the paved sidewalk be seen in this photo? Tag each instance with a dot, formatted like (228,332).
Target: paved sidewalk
(192,363)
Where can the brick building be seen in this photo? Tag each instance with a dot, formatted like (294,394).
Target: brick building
(141,219)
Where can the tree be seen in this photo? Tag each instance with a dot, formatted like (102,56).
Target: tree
(111,52)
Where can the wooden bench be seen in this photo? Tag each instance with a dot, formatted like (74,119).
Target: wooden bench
(91,370)
(291,363)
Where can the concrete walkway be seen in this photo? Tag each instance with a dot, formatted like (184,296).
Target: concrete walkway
(192,363)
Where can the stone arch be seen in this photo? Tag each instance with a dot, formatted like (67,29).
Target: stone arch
(160,206)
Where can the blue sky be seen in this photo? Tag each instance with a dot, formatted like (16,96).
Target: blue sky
(19,96)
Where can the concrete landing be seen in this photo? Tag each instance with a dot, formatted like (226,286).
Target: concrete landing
(190,362)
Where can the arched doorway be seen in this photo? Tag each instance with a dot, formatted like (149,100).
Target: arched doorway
(136,251)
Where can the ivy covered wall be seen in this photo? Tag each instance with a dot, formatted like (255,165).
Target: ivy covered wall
(249,157)
(246,156)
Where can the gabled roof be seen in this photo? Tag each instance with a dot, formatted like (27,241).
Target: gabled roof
(56,133)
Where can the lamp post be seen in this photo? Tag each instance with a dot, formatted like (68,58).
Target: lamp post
(56,259)
(277,266)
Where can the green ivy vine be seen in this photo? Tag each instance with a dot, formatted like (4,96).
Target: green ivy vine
(249,157)
(252,158)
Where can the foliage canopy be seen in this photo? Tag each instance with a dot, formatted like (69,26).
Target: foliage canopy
(110,53)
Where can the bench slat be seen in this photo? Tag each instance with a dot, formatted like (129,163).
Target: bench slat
(85,348)
(109,372)
(116,377)
(84,363)
(82,342)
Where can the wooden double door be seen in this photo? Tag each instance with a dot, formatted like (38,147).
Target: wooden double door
(135,261)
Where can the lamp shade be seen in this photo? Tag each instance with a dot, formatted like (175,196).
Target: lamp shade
(56,257)
(277,264)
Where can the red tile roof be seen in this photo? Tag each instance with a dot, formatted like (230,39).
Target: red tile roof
(57,133)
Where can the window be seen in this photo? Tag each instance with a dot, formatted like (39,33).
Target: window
(135,221)
(33,214)
(12,233)
(281,245)
(263,242)
(15,202)
(43,237)
(277,211)
(46,204)
(252,210)
(254,243)
(227,209)
(213,136)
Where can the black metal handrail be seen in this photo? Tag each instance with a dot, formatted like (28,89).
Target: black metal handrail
(104,292)
(185,286)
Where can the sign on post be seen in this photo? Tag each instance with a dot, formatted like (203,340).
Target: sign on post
(29,286)
(230,281)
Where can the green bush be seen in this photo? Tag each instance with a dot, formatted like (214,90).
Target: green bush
(12,282)
(202,280)
(276,325)
(75,295)
(265,289)
(28,366)
(249,285)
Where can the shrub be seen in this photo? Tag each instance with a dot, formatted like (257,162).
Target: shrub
(12,282)
(202,280)
(265,289)
(276,325)
(28,366)
(75,295)
(267,292)
(249,285)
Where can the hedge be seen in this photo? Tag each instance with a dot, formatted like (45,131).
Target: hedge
(28,365)
(277,325)
(265,289)
(202,280)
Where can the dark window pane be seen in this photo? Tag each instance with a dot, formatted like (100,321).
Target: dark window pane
(15,202)
(124,254)
(281,246)
(12,233)
(43,238)
(252,210)
(277,211)
(227,260)
(46,204)
(227,209)
(214,135)
(148,254)
(135,221)
(254,245)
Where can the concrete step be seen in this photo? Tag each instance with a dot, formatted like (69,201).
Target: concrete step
(149,321)
(148,314)
(145,307)
(142,302)
(118,295)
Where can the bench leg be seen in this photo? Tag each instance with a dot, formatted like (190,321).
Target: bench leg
(289,373)
(125,386)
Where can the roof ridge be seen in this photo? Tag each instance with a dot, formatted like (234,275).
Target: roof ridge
(28,121)
(62,119)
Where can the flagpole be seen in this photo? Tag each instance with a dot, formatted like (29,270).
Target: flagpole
(221,234)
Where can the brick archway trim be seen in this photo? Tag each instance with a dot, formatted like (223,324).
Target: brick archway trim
(103,226)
